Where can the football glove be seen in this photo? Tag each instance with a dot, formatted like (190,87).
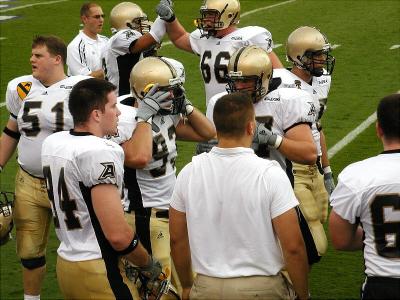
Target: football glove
(187,106)
(206,146)
(165,11)
(152,103)
(329,182)
(263,135)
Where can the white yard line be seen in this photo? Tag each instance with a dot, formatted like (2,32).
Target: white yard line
(394,47)
(4,18)
(335,46)
(30,5)
(351,136)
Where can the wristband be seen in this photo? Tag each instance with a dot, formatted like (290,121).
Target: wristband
(132,246)
(278,142)
(189,109)
(170,20)
(12,134)
(157,30)
(327,170)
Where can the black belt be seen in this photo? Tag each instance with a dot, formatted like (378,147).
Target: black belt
(383,280)
(164,214)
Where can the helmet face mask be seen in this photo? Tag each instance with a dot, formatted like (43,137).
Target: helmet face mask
(6,222)
(168,73)
(250,71)
(141,24)
(217,15)
(308,49)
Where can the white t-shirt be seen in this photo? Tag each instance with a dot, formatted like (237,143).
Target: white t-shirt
(118,61)
(76,162)
(215,53)
(370,190)
(84,54)
(39,112)
(230,197)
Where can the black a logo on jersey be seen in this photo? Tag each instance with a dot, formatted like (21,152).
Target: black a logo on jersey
(108,171)
(297,83)
(313,110)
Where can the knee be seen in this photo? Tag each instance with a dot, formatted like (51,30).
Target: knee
(33,263)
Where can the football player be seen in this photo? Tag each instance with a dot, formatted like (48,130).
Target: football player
(131,36)
(85,50)
(365,208)
(84,176)
(216,38)
(285,117)
(150,152)
(38,107)
(312,64)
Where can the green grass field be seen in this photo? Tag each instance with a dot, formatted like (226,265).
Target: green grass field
(366,70)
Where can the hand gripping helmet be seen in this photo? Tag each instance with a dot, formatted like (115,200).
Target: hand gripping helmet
(6,223)
(129,15)
(167,72)
(308,49)
(250,70)
(217,15)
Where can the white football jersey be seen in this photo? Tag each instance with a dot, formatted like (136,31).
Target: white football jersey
(287,107)
(40,111)
(368,191)
(317,90)
(118,61)
(84,54)
(156,181)
(73,163)
(215,53)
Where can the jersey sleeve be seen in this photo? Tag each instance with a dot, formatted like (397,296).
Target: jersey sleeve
(13,102)
(282,195)
(300,108)
(126,124)
(178,196)
(101,166)
(345,201)
(194,39)
(121,44)
(76,59)
(262,39)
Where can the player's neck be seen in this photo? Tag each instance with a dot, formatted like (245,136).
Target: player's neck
(234,142)
(389,145)
(57,76)
(226,31)
(92,35)
(302,74)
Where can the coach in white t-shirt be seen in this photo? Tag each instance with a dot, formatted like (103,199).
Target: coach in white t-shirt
(228,211)
(85,50)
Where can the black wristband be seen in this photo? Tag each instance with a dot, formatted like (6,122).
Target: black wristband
(132,246)
(10,133)
(170,20)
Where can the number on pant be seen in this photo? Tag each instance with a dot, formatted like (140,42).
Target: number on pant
(385,214)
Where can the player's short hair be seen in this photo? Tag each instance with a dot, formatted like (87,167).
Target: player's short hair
(88,95)
(86,7)
(54,44)
(388,114)
(231,114)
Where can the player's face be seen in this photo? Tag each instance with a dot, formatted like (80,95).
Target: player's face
(110,115)
(42,63)
(94,20)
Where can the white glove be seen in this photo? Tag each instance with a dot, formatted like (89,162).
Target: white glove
(152,103)
(206,146)
(165,11)
(328,180)
(263,135)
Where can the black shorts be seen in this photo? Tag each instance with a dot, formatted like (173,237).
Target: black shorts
(380,288)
